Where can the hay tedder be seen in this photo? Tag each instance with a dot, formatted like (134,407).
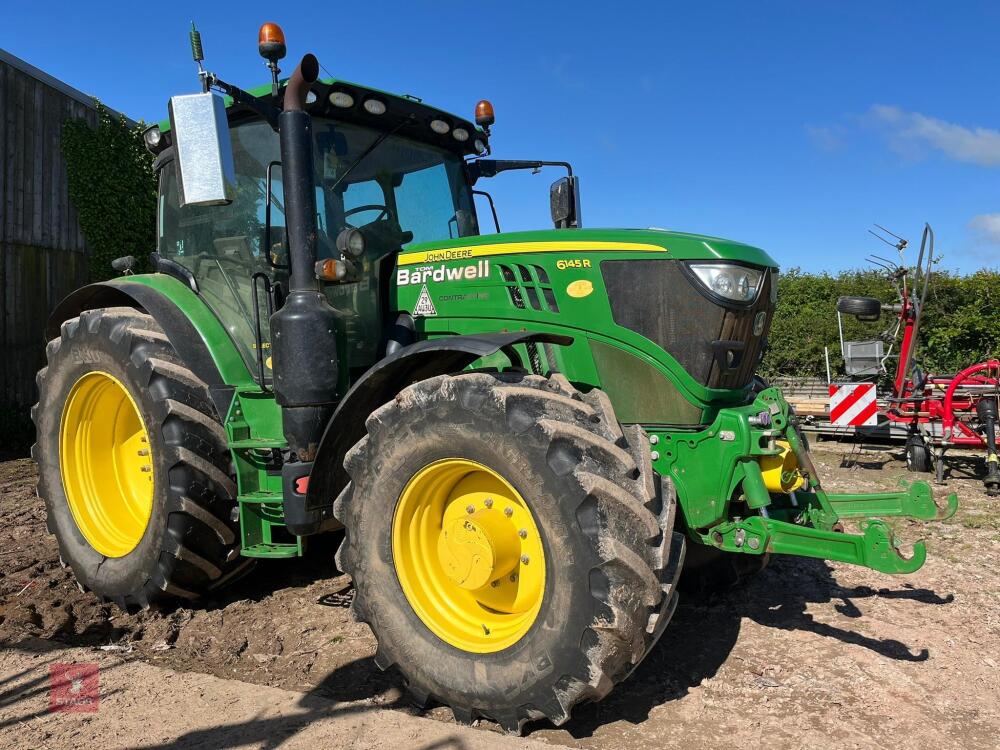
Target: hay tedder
(529,440)
(938,411)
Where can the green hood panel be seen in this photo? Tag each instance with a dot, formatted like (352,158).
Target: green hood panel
(679,245)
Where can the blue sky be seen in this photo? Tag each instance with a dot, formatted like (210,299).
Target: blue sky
(789,125)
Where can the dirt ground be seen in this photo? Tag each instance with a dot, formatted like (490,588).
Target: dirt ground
(809,653)
(142,705)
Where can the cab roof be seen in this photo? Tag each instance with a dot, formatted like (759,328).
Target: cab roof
(403,112)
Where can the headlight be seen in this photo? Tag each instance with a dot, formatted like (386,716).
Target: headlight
(152,138)
(728,280)
(351,242)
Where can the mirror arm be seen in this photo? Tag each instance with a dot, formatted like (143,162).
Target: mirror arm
(262,107)
(492,167)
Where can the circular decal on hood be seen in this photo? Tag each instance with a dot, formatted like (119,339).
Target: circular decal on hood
(579,288)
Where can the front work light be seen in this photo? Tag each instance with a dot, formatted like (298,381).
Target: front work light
(351,242)
(341,99)
(732,282)
(152,138)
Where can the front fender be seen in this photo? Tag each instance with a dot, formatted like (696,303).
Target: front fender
(382,382)
(195,333)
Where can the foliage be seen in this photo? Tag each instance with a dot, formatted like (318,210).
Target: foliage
(960,325)
(112,187)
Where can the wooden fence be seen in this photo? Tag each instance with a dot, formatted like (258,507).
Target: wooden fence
(42,251)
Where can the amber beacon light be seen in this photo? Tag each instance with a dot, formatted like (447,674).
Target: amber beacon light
(271,42)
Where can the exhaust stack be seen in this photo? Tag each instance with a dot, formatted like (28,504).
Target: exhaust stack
(303,342)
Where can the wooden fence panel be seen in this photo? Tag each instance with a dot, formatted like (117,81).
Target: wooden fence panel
(42,250)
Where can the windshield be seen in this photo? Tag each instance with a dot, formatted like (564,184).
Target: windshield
(408,191)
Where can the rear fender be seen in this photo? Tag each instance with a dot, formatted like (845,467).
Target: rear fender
(382,382)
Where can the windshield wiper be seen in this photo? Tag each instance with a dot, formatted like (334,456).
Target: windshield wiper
(375,144)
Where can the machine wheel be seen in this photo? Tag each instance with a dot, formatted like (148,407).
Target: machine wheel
(133,462)
(918,457)
(708,570)
(510,546)
(864,307)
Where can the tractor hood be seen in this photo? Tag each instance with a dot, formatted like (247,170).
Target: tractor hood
(678,245)
(648,290)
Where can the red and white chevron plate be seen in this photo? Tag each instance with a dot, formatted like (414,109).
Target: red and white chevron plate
(853,405)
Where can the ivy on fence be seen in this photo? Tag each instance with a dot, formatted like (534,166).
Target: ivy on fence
(113,189)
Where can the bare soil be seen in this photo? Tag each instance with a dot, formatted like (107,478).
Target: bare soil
(808,653)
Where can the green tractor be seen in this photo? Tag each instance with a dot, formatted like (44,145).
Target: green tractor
(527,438)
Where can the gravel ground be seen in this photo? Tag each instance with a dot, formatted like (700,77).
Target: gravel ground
(807,653)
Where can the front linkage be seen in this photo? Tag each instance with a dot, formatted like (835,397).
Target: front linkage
(767,469)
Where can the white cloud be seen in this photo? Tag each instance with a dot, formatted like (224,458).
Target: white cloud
(912,134)
(986,228)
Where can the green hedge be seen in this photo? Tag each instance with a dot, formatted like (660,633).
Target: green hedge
(960,326)
(113,189)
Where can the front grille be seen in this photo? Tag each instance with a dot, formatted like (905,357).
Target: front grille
(656,299)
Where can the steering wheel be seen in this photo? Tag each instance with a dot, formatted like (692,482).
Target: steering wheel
(383,211)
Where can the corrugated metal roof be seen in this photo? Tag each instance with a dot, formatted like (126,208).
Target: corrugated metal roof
(64,88)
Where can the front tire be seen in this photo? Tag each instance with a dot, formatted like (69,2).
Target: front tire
(133,463)
(605,523)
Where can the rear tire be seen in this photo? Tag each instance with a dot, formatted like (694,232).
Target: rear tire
(189,544)
(606,524)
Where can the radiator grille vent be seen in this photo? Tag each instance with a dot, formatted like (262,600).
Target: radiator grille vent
(528,286)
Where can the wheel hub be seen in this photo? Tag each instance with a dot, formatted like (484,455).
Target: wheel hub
(475,550)
(468,555)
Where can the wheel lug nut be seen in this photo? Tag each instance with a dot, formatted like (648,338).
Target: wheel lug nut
(488,502)
(525,559)
(508,512)
(469,509)
(523,533)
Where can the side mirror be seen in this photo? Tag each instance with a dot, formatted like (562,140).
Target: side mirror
(203,153)
(564,202)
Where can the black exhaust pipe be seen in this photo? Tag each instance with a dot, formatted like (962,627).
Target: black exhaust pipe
(303,331)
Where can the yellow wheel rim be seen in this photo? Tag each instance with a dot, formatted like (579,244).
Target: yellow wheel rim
(468,555)
(107,471)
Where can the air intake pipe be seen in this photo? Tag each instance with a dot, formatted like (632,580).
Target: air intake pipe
(303,330)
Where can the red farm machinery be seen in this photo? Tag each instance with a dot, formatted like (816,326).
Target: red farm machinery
(936,411)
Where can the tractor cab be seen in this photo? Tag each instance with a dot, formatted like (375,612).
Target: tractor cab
(389,172)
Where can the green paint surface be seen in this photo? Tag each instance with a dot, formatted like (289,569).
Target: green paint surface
(224,352)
